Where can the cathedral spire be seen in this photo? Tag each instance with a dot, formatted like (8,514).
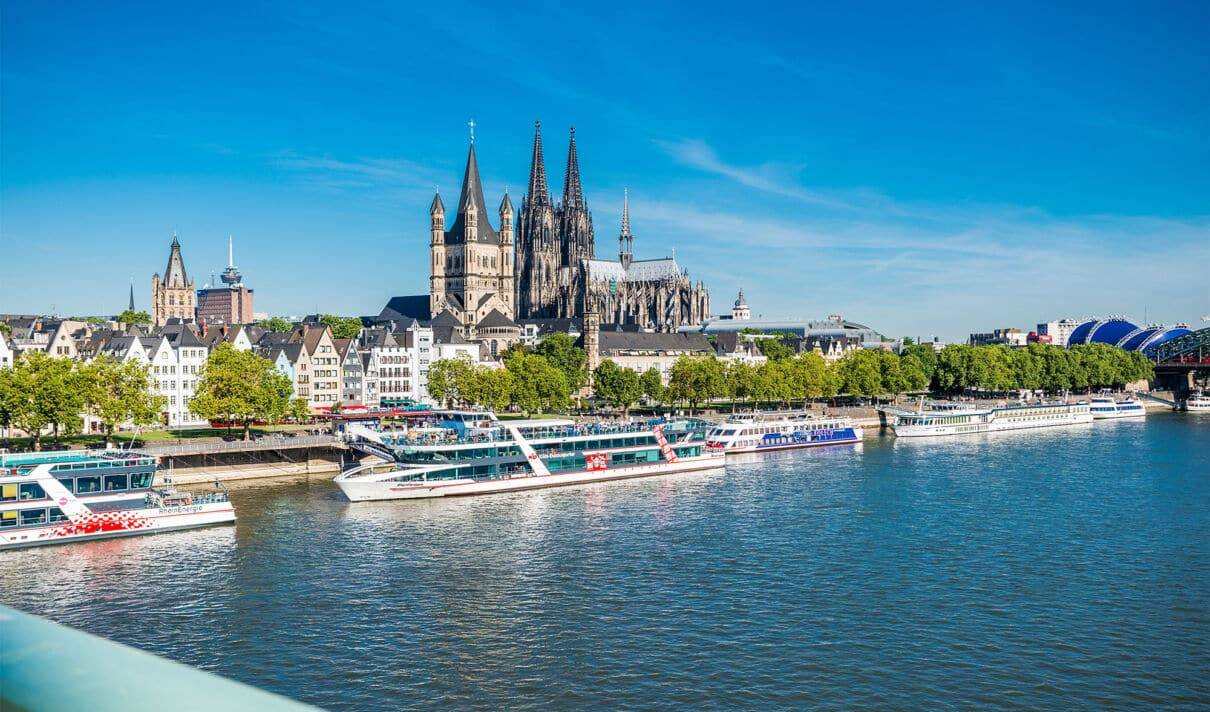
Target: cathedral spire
(471,201)
(625,238)
(573,192)
(131,307)
(539,191)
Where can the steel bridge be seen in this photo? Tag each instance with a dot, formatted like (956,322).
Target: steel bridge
(1181,362)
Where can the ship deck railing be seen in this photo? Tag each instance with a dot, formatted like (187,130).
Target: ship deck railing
(500,434)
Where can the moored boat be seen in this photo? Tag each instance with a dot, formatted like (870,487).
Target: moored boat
(1198,402)
(1105,407)
(71,496)
(466,452)
(967,419)
(781,431)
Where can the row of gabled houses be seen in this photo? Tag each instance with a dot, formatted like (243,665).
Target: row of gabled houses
(386,364)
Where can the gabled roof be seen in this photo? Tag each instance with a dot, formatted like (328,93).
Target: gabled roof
(496,320)
(414,306)
(186,338)
(446,319)
(311,337)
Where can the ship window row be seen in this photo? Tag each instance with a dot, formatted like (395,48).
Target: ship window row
(93,484)
(32,517)
(99,464)
(26,490)
(633,458)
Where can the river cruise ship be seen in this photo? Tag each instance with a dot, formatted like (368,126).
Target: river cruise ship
(966,419)
(781,431)
(466,452)
(77,495)
(1106,407)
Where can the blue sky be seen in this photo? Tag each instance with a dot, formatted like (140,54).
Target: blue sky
(923,169)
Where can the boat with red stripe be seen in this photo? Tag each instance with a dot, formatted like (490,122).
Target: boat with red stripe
(73,496)
(471,452)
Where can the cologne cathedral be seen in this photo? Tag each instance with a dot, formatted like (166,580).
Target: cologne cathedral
(482,280)
(559,276)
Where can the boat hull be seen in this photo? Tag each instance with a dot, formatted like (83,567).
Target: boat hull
(793,446)
(110,525)
(920,431)
(365,491)
(1131,413)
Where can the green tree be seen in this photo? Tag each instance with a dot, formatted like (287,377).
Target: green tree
(240,387)
(560,350)
(276,323)
(926,355)
(620,387)
(740,380)
(774,349)
(40,392)
(343,327)
(131,316)
(915,378)
(696,379)
(860,373)
(653,385)
(449,378)
(810,377)
(121,392)
(5,328)
(490,387)
(537,385)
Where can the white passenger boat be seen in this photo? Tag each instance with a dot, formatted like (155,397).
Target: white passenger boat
(70,496)
(966,419)
(467,452)
(1198,403)
(1105,406)
(781,431)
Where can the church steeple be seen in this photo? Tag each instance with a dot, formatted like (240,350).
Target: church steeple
(573,191)
(471,224)
(625,238)
(131,307)
(538,192)
(174,273)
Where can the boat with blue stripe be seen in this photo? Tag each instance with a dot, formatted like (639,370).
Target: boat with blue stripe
(781,431)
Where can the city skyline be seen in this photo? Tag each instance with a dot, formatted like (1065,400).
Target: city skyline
(1011,170)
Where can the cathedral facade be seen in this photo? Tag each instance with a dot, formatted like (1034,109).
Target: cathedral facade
(560,277)
(481,282)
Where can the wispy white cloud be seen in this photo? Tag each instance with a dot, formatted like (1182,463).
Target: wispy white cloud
(776,178)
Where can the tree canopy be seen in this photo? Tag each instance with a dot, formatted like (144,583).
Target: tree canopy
(276,323)
(120,392)
(343,327)
(620,387)
(242,387)
(130,316)
(560,350)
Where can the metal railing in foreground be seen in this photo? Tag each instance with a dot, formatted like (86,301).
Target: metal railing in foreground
(47,666)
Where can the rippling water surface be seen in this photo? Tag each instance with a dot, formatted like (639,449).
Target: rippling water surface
(1069,569)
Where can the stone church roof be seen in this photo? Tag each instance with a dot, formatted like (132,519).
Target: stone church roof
(472,194)
(496,320)
(639,270)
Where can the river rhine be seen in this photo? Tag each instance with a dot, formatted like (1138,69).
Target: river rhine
(1064,570)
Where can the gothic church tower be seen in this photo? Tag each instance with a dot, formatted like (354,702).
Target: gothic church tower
(575,233)
(537,242)
(174,296)
(472,263)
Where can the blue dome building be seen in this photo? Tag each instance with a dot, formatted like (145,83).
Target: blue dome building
(1101,331)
